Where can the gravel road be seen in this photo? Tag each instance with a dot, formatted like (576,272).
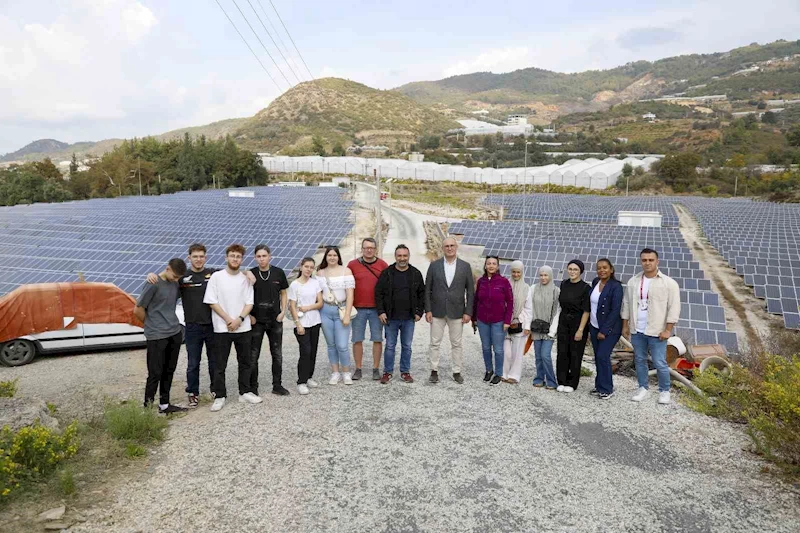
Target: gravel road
(421,457)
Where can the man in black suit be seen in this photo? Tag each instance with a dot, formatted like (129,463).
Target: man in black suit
(449,291)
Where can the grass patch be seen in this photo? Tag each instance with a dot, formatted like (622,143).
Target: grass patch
(586,373)
(66,481)
(133,451)
(765,397)
(51,407)
(8,388)
(132,422)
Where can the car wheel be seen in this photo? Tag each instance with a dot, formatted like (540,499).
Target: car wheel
(17,352)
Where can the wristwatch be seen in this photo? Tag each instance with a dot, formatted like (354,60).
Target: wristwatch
(241,318)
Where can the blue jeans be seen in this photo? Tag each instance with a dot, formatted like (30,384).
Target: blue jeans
(336,335)
(195,336)
(359,325)
(642,344)
(544,363)
(603,381)
(492,336)
(406,330)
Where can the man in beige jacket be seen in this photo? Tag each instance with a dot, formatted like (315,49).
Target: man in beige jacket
(652,304)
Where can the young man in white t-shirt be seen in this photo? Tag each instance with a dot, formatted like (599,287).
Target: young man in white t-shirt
(230,296)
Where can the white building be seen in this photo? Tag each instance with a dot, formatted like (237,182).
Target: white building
(649,117)
(517,120)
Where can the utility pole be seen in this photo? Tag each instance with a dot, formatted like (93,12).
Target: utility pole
(379,216)
(139,171)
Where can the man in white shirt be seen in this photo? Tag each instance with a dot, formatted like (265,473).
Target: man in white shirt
(653,303)
(230,296)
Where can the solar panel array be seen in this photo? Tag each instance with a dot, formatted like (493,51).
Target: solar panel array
(762,242)
(120,240)
(581,208)
(555,243)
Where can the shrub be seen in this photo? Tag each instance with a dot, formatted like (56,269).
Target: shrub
(134,450)
(8,388)
(131,422)
(585,372)
(32,452)
(768,404)
(66,480)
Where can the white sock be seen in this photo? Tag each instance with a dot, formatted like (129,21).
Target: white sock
(163,405)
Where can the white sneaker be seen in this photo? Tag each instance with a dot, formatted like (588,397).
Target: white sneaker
(664,398)
(334,379)
(249,397)
(640,395)
(302,389)
(560,388)
(347,377)
(312,384)
(218,404)
(567,389)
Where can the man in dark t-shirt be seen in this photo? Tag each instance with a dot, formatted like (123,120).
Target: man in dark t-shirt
(162,329)
(269,309)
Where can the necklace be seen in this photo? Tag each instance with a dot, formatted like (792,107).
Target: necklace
(269,272)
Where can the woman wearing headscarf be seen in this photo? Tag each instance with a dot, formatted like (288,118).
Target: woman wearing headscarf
(540,317)
(605,325)
(572,334)
(514,347)
(491,315)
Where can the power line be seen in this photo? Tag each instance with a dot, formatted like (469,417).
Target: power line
(273,41)
(290,38)
(278,35)
(262,43)
(249,47)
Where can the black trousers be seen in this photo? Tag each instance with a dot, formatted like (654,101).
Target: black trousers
(570,352)
(222,350)
(274,331)
(162,359)
(308,343)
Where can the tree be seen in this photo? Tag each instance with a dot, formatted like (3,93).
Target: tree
(762,105)
(317,146)
(338,149)
(73,166)
(769,118)
(430,142)
(627,170)
(793,136)
(679,170)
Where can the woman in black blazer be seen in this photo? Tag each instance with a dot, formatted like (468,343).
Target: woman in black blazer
(605,325)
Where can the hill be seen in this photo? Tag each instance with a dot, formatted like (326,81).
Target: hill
(42,145)
(548,94)
(339,111)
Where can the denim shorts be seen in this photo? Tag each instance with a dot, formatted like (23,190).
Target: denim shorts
(359,324)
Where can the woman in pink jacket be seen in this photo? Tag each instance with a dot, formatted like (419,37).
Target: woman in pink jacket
(491,315)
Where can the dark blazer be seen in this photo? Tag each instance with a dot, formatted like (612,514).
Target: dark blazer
(384,291)
(609,307)
(450,302)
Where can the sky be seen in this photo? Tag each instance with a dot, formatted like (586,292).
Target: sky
(86,70)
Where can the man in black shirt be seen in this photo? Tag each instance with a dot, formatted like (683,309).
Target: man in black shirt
(197,317)
(269,308)
(400,303)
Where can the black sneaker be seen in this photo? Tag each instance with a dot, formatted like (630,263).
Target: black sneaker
(169,409)
(594,392)
(356,375)
(604,396)
(488,376)
(376,374)
(434,377)
(458,379)
(280,391)
(194,400)
(495,380)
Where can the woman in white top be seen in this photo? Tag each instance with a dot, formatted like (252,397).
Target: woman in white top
(305,301)
(338,285)
(515,336)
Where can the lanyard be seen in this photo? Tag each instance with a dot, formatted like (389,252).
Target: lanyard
(642,296)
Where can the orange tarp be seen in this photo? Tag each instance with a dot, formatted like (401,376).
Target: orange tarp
(37,308)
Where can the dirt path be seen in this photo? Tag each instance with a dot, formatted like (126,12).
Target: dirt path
(746,315)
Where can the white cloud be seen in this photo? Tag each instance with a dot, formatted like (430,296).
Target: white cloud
(497,60)
(137,20)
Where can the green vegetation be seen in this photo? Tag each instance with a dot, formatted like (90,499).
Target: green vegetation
(66,481)
(766,398)
(8,388)
(337,111)
(132,423)
(163,167)
(31,453)
(133,451)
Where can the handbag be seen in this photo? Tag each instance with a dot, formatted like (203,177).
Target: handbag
(513,330)
(540,326)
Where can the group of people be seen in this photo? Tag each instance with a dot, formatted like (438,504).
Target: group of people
(230,307)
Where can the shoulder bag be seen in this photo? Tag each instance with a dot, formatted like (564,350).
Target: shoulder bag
(342,308)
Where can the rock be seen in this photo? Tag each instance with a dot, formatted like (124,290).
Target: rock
(53,514)
(79,517)
(17,413)
(56,526)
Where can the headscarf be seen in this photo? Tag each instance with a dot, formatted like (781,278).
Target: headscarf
(544,297)
(519,289)
(578,263)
